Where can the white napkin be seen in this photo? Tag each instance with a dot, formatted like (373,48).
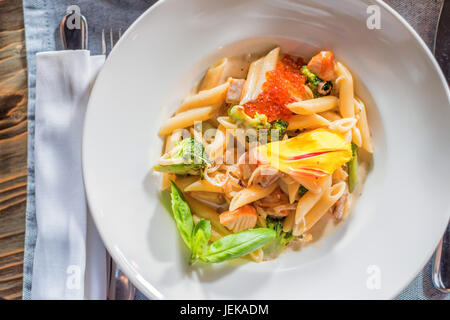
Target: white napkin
(63,260)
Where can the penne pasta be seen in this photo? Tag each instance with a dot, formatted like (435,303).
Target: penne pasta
(252,80)
(216,148)
(345,81)
(312,106)
(213,76)
(308,200)
(342,125)
(203,185)
(186,119)
(257,75)
(330,115)
(312,121)
(305,94)
(203,211)
(214,97)
(363,126)
(250,195)
(293,191)
(269,63)
(340,175)
(356,137)
(327,200)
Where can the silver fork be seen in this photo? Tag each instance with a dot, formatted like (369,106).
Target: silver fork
(119,287)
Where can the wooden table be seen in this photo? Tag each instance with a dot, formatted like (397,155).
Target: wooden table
(13,147)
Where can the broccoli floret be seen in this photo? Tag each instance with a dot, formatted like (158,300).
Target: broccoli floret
(279,125)
(239,116)
(283,238)
(318,86)
(302,190)
(188,157)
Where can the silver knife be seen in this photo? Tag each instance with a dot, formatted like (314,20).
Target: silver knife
(73,30)
(441,263)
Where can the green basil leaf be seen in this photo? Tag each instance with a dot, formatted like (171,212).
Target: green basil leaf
(200,238)
(238,244)
(182,215)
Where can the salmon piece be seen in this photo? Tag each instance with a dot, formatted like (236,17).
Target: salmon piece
(240,219)
(322,64)
(234,90)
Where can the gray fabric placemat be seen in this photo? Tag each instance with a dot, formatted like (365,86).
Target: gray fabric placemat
(42,19)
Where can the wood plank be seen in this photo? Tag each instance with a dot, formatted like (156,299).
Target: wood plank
(13,147)
(11,257)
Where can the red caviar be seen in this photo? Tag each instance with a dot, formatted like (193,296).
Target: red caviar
(282,84)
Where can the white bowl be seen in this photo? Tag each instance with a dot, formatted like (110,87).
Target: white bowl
(404,208)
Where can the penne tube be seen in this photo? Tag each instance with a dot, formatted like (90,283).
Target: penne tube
(330,115)
(348,136)
(204,212)
(312,106)
(312,121)
(340,175)
(186,119)
(356,137)
(214,75)
(309,199)
(216,148)
(342,125)
(363,126)
(252,80)
(257,75)
(269,64)
(346,100)
(306,94)
(293,191)
(250,195)
(214,97)
(203,185)
(327,200)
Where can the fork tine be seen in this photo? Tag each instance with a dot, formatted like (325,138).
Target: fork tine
(105,50)
(111,37)
(103,42)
